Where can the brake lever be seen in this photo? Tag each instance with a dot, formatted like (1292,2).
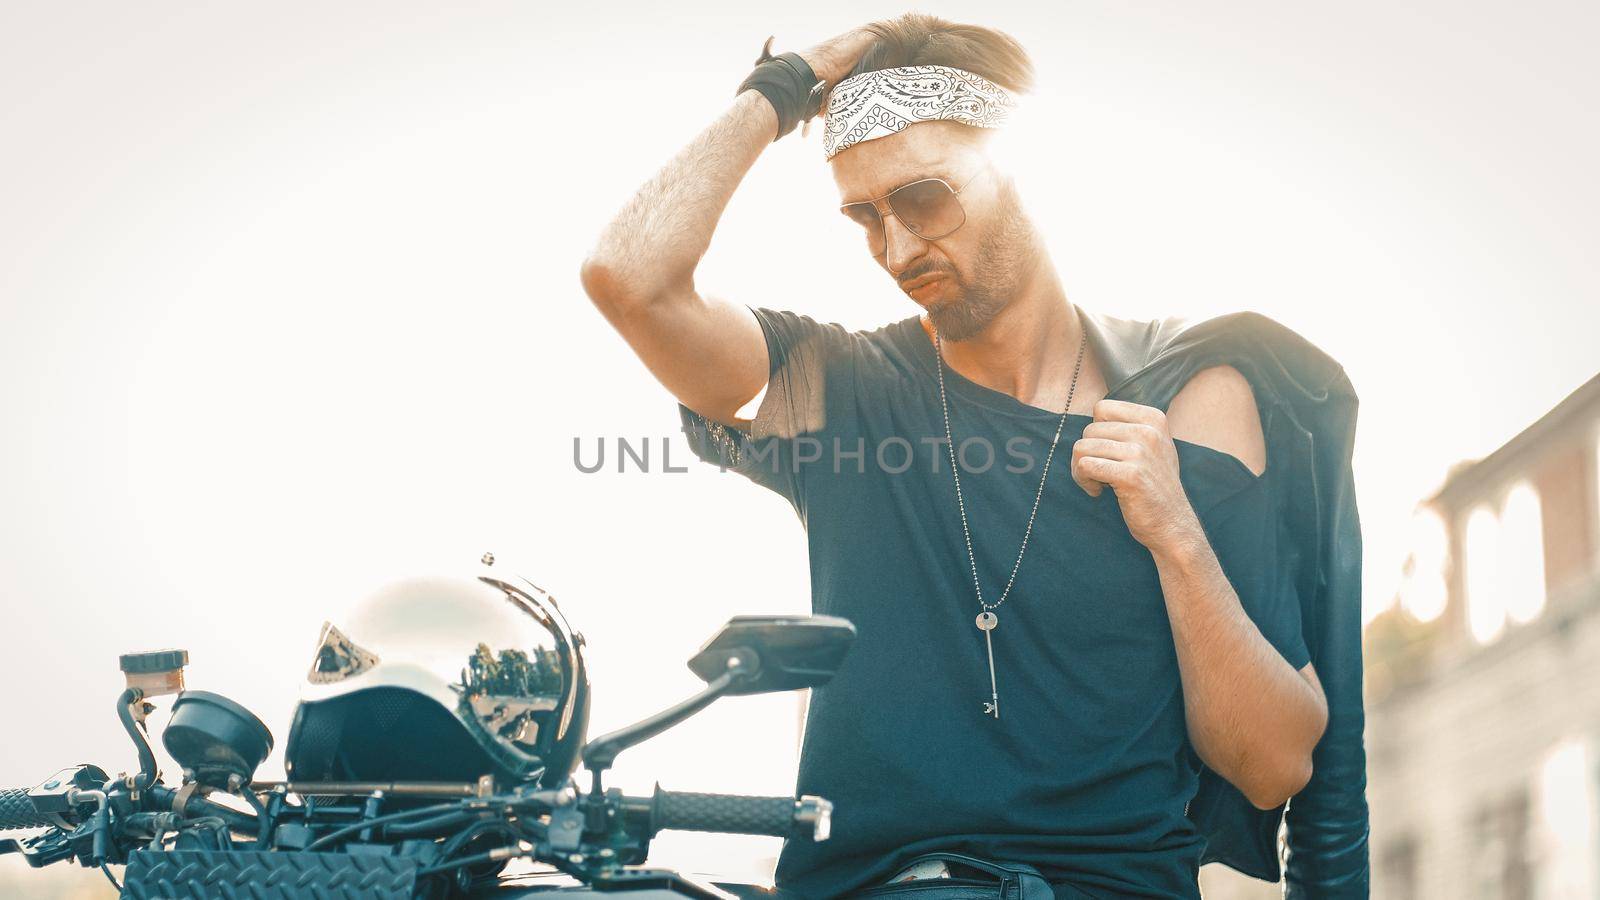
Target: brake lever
(41,850)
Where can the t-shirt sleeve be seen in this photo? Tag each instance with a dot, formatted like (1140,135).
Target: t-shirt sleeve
(1242,524)
(803,356)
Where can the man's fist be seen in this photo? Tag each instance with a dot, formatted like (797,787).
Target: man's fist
(833,59)
(1128,448)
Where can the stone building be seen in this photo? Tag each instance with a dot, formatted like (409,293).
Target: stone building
(1483,680)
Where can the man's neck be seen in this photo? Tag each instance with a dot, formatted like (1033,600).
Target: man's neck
(1029,349)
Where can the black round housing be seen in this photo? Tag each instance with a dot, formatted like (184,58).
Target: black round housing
(153,661)
(215,738)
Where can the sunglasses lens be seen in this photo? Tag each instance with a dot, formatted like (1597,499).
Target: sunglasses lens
(866,215)
(928,208)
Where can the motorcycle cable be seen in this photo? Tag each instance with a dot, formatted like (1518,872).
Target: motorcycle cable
(477,829)
(364,824)
(465,805)
(499,854)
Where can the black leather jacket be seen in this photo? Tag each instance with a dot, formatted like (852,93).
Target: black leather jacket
(1308,415)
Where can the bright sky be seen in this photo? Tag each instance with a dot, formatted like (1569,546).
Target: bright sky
(289,302)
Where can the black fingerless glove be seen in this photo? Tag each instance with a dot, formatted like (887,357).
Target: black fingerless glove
(789,85)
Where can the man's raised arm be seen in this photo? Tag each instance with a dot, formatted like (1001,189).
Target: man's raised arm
(710,353)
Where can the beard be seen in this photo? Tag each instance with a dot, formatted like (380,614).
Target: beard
(1006,255)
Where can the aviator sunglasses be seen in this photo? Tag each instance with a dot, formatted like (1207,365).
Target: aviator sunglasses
(928,208)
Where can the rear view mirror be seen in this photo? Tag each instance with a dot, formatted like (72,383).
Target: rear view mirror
(778,653)
(750,655)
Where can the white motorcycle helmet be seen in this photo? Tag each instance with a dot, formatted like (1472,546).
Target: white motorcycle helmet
(444,678)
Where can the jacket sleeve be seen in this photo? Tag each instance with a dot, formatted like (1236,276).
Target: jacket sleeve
(1309,415)
(1327,852)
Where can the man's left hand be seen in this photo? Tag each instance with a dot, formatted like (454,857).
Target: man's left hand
(1128,448)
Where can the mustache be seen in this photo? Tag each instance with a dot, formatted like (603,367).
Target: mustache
(913,274)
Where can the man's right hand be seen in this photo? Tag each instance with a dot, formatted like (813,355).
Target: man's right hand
(833,59)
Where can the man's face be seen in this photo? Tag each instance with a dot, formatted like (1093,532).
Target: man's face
(967,277)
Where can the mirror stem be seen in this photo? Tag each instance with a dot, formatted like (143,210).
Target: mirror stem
(601,752)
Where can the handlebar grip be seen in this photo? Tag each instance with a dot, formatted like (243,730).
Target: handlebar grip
(17,811)
(732,813)
(739,814)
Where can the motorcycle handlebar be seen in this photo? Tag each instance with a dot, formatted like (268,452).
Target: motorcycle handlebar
(18,812)
(739,814)
(166,798)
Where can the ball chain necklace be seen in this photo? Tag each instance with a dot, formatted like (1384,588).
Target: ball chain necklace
(987,620)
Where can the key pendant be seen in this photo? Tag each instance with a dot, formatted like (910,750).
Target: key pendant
(986,623)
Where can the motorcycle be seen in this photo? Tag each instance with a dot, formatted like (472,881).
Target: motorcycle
(220,832)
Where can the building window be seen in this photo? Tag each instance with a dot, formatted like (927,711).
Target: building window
(1504,561)
(1501,864)
(1486,611)
(1422,588)
(1565,840)
(1398,869)
(1522,554)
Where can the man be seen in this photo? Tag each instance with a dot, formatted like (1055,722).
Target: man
(1053,648)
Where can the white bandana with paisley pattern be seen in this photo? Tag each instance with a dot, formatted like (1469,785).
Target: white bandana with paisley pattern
(878,104)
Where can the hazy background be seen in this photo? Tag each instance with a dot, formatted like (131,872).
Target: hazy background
(289,303)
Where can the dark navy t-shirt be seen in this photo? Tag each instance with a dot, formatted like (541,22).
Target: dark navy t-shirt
(1088,773)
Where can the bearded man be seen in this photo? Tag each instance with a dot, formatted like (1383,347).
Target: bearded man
(1093,563)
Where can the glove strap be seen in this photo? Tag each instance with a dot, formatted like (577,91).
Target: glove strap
(789,84)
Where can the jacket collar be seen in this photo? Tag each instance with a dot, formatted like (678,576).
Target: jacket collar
(1125,348)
